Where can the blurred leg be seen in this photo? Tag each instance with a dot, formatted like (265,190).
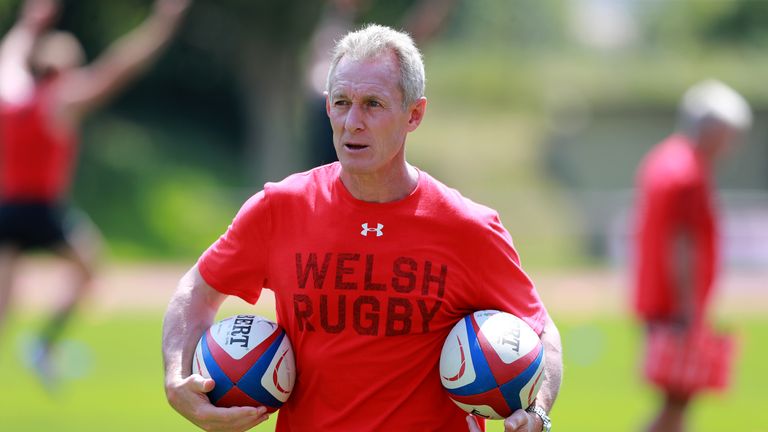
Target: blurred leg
(81,250)
(671,417)
(9,256)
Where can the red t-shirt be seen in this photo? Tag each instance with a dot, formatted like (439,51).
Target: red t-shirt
(367,293)
(36,161)
(674,195)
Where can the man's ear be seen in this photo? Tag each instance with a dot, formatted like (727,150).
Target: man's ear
(417,111)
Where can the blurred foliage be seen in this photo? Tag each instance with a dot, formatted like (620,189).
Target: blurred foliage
(166,166)
(706,24)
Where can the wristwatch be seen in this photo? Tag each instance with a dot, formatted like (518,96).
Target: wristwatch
(545,421)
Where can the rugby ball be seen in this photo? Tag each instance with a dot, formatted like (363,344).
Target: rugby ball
(251,360)
(492,364)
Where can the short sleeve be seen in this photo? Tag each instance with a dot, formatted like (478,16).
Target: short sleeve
(236,263)
(504,285)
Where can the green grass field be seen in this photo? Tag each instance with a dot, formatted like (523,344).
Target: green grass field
(121,387)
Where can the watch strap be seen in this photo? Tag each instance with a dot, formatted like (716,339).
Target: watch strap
(545,421)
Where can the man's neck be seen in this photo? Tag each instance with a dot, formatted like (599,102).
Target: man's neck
(381,188)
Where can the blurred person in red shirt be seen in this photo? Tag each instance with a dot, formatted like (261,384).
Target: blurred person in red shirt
(676,248)
(45,92)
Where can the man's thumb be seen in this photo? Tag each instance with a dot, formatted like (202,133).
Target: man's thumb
(202,384)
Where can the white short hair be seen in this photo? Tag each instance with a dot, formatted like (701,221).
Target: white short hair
(713,101)
(373,40)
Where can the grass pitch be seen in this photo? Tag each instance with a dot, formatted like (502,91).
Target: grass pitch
(117,382)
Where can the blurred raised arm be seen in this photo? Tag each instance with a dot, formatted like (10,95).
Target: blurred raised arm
(427,17)
(16,80)
(91,86)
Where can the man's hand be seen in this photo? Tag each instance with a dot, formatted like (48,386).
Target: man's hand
(519,421)
(523,421)
(187,396)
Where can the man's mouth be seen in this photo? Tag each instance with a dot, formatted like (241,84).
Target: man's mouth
(355,147)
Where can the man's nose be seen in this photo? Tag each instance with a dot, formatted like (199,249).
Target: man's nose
(354,120)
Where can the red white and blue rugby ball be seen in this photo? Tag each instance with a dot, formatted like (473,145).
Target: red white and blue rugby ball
(251,360)
(492,364)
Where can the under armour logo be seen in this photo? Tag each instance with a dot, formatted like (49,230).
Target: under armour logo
(377,230)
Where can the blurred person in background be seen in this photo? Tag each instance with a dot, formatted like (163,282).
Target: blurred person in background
(676,246)
(46,90)
(423,20)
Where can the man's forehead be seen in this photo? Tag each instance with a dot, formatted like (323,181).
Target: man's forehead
(375,74)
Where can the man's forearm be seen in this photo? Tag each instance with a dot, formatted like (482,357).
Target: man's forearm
(682,268)
(191,311)
(553,367)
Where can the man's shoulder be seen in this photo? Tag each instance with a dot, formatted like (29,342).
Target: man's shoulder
(672,164)
(305,183)
(447,200)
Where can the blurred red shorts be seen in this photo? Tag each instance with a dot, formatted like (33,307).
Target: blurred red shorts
(684,363)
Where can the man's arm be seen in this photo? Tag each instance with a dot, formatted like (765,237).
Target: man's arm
(682,271)
(523,421)
(553,368)
(191,311)
(89,87)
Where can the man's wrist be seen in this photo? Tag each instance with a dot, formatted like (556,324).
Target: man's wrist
(538,423)
(541,420)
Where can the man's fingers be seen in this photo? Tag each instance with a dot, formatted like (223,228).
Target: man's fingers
(231,419)
(517,422)
(472,423)
(244,412)
(201,384)
(208,385)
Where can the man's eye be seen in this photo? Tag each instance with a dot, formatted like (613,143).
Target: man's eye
(374,103)
(341,103)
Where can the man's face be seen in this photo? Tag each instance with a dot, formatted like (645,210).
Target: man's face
(717,140)
(365,106)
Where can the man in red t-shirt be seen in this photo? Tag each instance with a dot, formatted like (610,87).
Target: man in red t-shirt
(371,260)
(676,226)
(45,93)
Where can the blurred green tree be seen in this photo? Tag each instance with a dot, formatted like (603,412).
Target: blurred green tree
(702,24)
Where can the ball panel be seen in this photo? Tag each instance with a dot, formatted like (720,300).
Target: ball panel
(251,383)
(281,375)
(240,334)
(239,340)
(198,364)
(235,397)
(490,404)
(509,336)
(223,383)
(456,367)
(513,389)
(529,391)
(504,372)
(484,380)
